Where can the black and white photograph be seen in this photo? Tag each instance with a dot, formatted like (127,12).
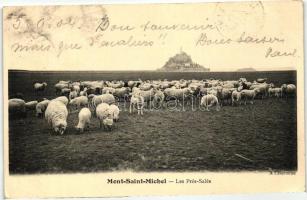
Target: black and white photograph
(180,117)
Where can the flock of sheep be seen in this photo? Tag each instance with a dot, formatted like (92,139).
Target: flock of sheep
(100,98)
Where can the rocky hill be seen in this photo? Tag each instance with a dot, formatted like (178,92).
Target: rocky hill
(182,62)
(248,69)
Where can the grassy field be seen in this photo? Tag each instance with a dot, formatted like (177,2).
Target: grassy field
(161,140)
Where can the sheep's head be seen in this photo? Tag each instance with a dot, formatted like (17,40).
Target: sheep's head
(79,129)
(39,113)
(108,122)
(60,128)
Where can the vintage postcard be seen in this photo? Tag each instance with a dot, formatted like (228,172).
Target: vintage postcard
(153,99)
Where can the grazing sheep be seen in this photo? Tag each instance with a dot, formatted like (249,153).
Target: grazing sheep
(105,119)
(276,92)
(104,98)
(63,99)
(39,87)
(84,119)
(79,101)
(208,101)
(56,116)
(137,100)
(250,94)
(114,112)
(177,93)
(288,90)
(41,107)
(31,105)
(17,108)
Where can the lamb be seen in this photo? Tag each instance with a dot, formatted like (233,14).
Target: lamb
(79,101)
(63,99)
(31,105)
(56,116)
(137,100)
(208,101)
(105,118)
(288,90)
(17,107)
(84,119)
(250,94)
(40,87)
(41,107)
(276,92)
(114,112)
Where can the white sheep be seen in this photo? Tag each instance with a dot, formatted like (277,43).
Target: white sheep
(79,101)
(288,90)
(56,116)
(276,92)
(39,87)
(208,101)
(17,107)
(114,112)
(41,107)
(84,119)
(105,119)
(250,94)
(137,100)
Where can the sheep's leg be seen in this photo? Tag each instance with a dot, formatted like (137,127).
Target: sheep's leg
(130,108)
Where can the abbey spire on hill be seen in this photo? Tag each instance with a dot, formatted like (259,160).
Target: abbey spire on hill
(182,62)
